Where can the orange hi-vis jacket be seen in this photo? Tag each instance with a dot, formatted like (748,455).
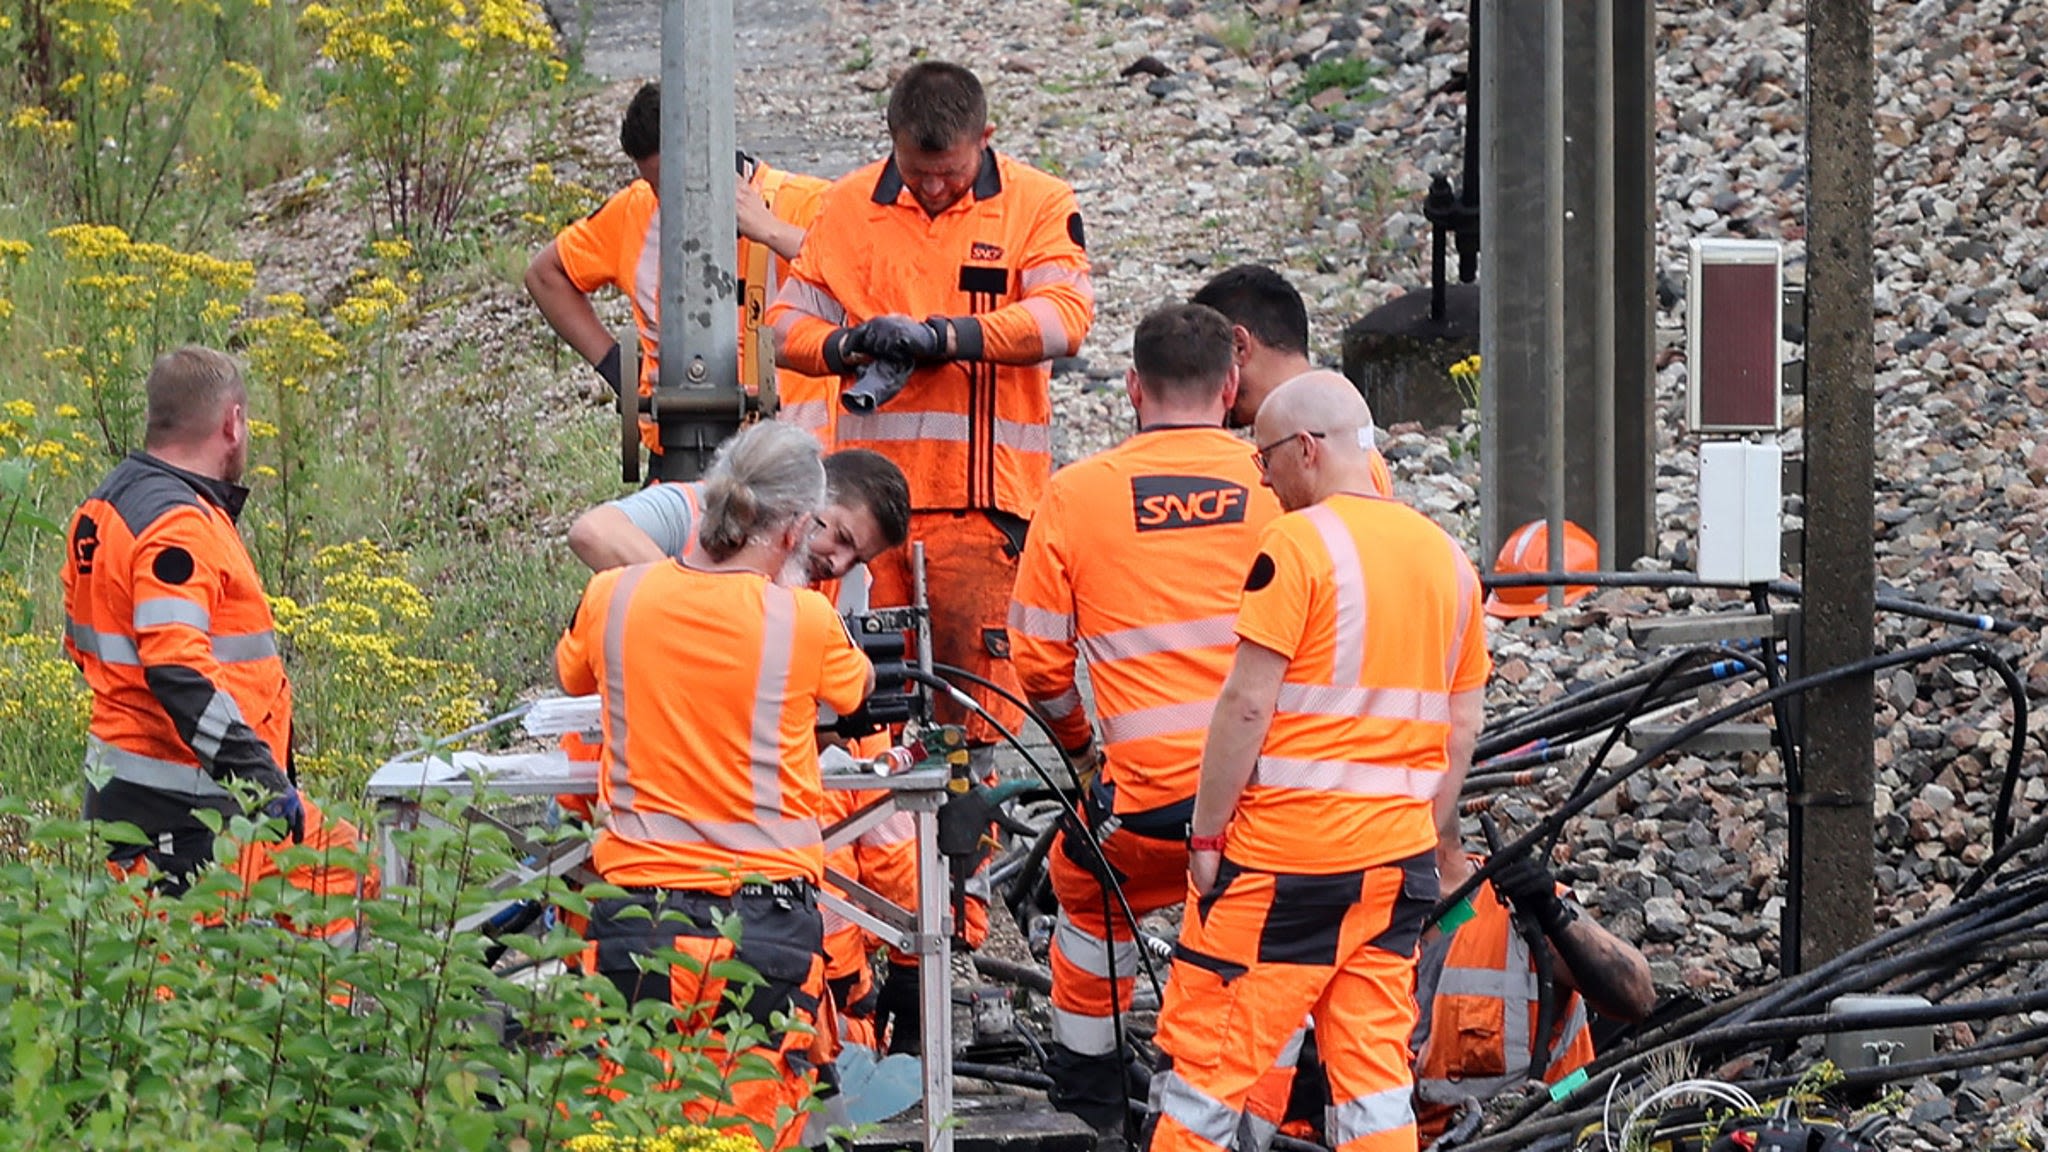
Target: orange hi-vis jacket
(1377,611)
(1007,264)
(711,683)
(1136,560)
(620,245)
(1478,1029)
(165,616)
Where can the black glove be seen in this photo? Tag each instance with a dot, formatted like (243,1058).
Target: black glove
(1531,890)
(609,368)
(897,338)
(898,1009)
(287,806)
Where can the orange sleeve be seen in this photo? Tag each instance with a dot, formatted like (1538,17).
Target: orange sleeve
(575,655)
(842,668)
(805,313)
(176,582)
(1382,479)
(1041,624)
(1056,305)
(1278,592)
(1475,663)
(590,247)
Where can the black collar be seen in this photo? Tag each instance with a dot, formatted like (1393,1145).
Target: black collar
(988,183)
(1144,428)
(228,497)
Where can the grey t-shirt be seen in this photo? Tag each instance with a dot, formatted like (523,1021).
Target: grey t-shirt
(667,513)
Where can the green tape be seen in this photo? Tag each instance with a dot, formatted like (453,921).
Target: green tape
(1568,1085)
(1458,915)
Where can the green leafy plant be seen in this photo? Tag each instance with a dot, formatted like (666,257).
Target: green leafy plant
(1340,72)
(420,88)
(137,1021)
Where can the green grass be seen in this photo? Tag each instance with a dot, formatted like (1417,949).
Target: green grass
(1343,73)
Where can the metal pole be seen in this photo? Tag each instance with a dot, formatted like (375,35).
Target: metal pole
(1635,281)
(698,400)
(1485,84)
(935,982)
(1838,863)
(1603,282)
(1468,187)
(1553,279)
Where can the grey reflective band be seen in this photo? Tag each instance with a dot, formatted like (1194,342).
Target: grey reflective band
(1347,776)
(771,687)
(1370,1115)
(1200,1113)
(1348,656)
(727,835)
(1061,706)
(1178,636)
(162,610)
(1052,331)
(1081,1033)
(614,687)
(1163,720)
(110,647)
(1022,437)
(1041,623)
(104,762)
(894,426)
(1092,955)
(245,648)
(1400,704)
(221,715)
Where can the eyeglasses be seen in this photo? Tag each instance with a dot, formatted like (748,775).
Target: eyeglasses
(1265,453)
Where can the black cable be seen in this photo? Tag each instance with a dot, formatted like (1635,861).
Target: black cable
(2001,815)
(1714,719)
(1108,875)
(1003,1074)
(1072,803)
(1024,975)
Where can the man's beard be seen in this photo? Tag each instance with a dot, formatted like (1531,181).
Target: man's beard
(796,568)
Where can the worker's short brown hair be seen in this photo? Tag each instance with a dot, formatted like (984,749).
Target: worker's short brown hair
(1183,353)
(1263,303)
(640,131)
(935,105)
(188,391)
(859,478)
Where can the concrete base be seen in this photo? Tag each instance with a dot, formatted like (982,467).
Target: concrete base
(989,1124)
(1401,359)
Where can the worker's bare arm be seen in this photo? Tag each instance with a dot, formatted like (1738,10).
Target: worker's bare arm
(567,309)
(1608,971)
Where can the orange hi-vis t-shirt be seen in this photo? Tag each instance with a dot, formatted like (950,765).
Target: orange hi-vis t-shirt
(619,246)
(1006,262)
(1135,562)
(1377,612)
(711,683)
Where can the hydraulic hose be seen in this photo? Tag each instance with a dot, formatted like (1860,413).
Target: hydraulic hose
(1003,1074)
(1579,803)
(1663,580)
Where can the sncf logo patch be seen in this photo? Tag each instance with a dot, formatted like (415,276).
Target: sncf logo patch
(985,252)
(1160,502)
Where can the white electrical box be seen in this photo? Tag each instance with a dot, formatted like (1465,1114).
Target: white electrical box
(1739,501)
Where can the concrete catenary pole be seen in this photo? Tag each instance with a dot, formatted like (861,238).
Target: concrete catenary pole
(1836,861)
(698,400)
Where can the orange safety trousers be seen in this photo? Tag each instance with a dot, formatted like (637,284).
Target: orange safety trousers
(1262,952)
(334,879)
(780,939)
(970,569)
(1153,874)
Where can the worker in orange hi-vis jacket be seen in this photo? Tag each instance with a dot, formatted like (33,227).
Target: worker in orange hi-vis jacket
(1269,325)
(1135,563)
(1351,708)
(962,272)
(166,617)
(619,246)
(713,792)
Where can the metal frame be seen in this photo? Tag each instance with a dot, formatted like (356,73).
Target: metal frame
(1715,252)
(400,787)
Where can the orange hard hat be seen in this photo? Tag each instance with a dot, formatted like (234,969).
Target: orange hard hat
(1528,550)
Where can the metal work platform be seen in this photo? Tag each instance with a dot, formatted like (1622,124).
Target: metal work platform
(402,787)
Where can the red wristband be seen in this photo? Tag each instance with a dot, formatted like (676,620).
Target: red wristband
(1206,843)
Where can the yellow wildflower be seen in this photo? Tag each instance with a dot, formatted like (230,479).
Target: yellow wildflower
(19,409)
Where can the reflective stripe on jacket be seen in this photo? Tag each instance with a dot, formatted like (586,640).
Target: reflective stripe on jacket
(165,616)
(1377,611)
(711,683)
(1479,1029)
(1007,263)
(1135,563)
